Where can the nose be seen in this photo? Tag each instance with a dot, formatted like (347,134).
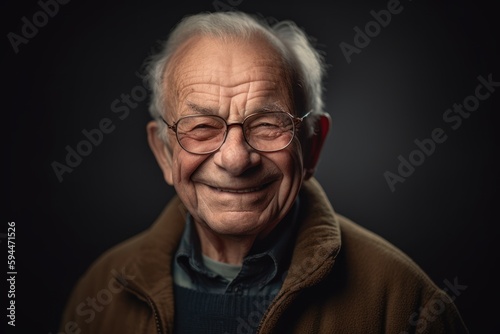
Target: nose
(235,155)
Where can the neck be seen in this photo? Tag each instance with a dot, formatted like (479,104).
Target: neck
(224,248)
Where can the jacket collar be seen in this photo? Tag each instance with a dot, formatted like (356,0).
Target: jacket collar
(317,245)
(318,239)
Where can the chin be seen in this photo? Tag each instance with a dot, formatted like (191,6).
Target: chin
(238,224)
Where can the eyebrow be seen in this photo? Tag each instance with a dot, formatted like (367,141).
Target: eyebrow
(269,107)
(274,106)
(201,110)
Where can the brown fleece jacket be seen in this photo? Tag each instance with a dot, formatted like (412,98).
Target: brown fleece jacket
(342,279)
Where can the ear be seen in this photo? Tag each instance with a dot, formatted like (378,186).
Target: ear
(162,153)
(314,144)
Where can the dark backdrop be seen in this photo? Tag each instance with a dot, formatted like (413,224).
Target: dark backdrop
(65,78)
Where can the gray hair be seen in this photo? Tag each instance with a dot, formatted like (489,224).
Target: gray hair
(305,61)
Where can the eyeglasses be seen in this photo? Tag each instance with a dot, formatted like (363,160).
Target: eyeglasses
(264,132)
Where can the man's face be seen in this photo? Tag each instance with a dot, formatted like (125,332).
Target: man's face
(235,190)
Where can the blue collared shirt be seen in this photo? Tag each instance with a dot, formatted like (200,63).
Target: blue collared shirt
(261,272)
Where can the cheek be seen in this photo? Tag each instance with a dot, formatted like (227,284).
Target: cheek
(295,164)
(184,165)
(290,163)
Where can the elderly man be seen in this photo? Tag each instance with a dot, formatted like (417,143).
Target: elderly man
(251,243)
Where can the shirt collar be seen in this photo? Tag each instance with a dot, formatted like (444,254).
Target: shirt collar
(188,254)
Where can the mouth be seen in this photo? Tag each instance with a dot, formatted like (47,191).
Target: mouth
(241,190)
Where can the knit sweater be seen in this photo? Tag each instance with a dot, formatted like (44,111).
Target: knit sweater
(342,279)
(209,313)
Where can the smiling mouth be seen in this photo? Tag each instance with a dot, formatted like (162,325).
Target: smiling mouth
(242,190)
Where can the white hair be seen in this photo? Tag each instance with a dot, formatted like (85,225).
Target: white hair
(306,63)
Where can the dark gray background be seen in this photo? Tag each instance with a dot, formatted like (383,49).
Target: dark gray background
(395,91)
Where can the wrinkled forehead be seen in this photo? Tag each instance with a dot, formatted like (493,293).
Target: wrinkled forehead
(227,62)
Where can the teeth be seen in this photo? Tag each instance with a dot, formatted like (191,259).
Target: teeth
(239,191)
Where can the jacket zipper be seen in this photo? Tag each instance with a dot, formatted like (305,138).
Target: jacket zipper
(145,297)
(155,313)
